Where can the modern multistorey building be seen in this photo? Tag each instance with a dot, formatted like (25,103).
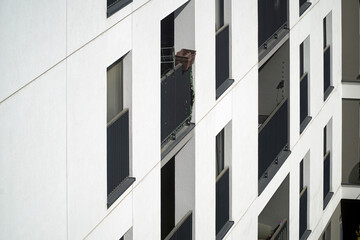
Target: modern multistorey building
(175,119)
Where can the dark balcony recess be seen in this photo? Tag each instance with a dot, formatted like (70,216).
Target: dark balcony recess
(118,179)
(222,61)
(304,5)
(327,195)
(304,103)
(273,144)
(176,102)
(222,204)
(327,72)
(303,231)
(182,230)
(115,5)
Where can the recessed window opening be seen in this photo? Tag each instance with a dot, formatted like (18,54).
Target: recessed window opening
(118,134)
(305,117)
(223,181)
(327,164)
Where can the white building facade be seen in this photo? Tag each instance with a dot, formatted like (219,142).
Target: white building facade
(61,63)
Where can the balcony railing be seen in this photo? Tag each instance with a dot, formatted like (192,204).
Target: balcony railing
(327,72)
(175,101)
(303,213)
(182,230)
(273,137)
(222,61)
(272,16)
(281,232)
(118,179)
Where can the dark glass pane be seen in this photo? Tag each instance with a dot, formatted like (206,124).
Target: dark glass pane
(222,56)
(301,59)
(167,198)
(272,15)
(220,152)
(222,201)
(301,175)
(117,151)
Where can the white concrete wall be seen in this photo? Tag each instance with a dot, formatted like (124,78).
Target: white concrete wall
(57,118)
(32,40)
(33,166)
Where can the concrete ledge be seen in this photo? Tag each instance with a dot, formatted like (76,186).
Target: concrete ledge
(327,199)
(306,235)
(304,7)
(304,124)
(169,149)
(223,87)
(224,230)
(119,190)
(272,170)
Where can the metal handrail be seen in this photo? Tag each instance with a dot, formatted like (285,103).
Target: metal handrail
(272,114)
(279,230)
(222,173)
(303,76)
(117,116)
(303,191)
(326,155)
(222,28)
(178,225)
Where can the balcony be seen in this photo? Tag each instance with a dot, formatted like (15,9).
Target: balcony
(222,61)
(177,95)
(223,223)
(272,221)
(350,142)
(272,24)
(273,144)
(327,72)
(118,156)
(327,195)
(177,193)
(182,230)
(304,102)
(350,30)
(176,107)
(303,231)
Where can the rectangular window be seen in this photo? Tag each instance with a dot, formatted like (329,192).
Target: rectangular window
(118,168)
(115,5)
(327,194)
(301,59)
(301,175)
(223,223)
(304,232)
(222,30)
(305,117)
(327,40)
